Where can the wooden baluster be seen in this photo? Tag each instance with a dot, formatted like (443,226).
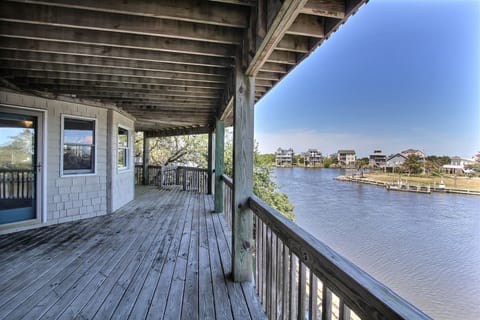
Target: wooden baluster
(184,179)
(326,303)
(258,255)
(273,272)
(17,185)
(301,291)
(293,286)
(286,286)
(268,272)
(312,307)
(279,286)
(23,181)
(264,266)
(345,312)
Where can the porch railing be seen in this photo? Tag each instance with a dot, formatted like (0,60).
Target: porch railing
(299,277)
(189,178)
(17,184)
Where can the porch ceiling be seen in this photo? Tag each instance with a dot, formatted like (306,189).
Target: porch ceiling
(169,63)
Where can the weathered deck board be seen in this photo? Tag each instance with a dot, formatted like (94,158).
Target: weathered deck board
(164,255)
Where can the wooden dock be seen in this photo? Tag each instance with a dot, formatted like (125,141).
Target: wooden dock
(163,256)
(406,187)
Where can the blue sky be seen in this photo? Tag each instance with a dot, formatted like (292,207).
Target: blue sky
(398,75)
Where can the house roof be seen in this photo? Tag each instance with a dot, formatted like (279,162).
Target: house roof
(396,155)
(168,63)
(346,151)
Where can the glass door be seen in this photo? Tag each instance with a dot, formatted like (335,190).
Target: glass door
(19,165)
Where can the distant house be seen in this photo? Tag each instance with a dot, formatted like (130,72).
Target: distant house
(377,159)
(313,158)
(346,158)
(284,157)
(395,160)
(416,152)
(457,165)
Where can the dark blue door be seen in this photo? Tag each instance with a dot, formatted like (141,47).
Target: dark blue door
(18,136)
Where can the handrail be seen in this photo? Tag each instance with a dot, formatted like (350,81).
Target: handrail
(227,198)
(279,238)
(190,178)
(228,181)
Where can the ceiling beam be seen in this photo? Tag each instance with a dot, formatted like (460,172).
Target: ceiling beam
(274,67)
(181,10)
(294,43)
(325,8)
(113,22)
(9,74)
(152,133)
(139,73)
(307,25)
(66,59)
(119,93)
(113,39)
(96,85)
(263,75)
(161,108)
(284,18)
(283,57)
(143,96)
(113,52)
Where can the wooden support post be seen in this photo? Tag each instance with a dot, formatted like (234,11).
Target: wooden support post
(210,164)
(184,179)
(146,159)
(219,164)
(242,228)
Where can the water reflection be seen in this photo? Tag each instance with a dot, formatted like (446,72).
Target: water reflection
(425,247)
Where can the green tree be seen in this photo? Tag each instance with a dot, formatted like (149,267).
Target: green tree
(361,164)
(263,185)
(327,162)
(16,152)
(184,150)
(298,159)
(412,164)
(434,164)
(267,158)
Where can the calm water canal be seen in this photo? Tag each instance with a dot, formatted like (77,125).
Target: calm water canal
(425,247)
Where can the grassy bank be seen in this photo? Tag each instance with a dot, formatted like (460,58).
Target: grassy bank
(450,181)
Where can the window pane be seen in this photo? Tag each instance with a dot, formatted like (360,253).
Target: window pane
(122,138)
(79,146)
(77,157)
(78,131)
(121,158)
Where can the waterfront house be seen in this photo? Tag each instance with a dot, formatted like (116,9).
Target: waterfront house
(457,165)
(420,154)
(346,158)
(78,79)
(313,158)
(395,160)
(284,157)
(377,159)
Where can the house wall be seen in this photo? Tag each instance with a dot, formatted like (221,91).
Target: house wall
(122,181)
(73,197)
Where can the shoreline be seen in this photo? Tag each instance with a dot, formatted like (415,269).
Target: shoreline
(406,187)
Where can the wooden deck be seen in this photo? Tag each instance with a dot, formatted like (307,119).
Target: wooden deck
(163,256)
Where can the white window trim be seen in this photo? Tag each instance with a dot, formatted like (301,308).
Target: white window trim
(129,150)
(70,175)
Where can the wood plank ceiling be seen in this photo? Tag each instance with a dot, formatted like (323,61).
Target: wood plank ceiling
(169,63)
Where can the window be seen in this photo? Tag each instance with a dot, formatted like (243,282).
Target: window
(78,146)
(122,156)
